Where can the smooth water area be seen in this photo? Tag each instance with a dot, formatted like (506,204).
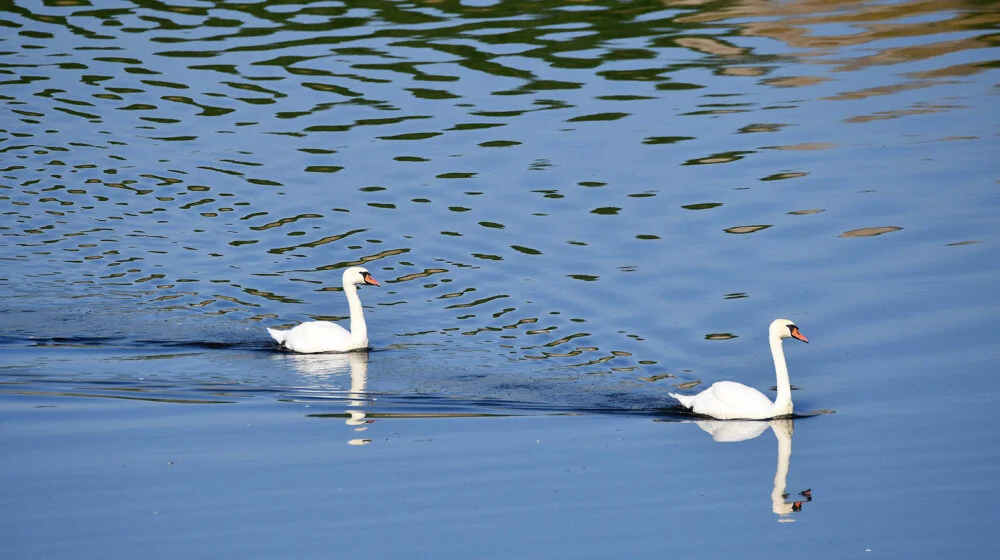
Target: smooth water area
(573,208)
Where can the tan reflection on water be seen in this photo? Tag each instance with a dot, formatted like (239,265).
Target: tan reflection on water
(870,21)
(746,229)
(805,25)
(869,231)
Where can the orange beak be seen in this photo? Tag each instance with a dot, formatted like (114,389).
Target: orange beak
(370,280)
(798,335)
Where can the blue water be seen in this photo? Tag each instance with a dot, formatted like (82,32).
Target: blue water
(573,210)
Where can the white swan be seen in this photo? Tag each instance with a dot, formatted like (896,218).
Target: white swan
(324,336)
(728,400)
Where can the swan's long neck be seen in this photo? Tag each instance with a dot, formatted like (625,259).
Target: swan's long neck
(783,402)
(359,330)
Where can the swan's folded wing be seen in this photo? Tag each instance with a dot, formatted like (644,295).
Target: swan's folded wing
(730,400)
(318,336)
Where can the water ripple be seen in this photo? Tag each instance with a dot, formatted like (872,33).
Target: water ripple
(576,185)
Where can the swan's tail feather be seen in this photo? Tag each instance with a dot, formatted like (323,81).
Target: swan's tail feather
(686,400)
(278,336)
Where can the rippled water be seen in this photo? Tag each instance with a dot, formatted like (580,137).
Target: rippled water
(573,208)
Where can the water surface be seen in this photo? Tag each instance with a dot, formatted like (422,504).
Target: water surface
(573,209)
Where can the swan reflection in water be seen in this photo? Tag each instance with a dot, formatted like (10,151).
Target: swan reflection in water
(730,431)
(320,367)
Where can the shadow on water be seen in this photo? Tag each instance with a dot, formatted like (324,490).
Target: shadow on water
(362,406)
(211,372)
(412,381)
(192,372)
(451,393)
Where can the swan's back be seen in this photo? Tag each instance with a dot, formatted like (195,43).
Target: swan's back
(317,336)
(728,400)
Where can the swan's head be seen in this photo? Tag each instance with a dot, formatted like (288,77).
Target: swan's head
(357,276)
(783,328)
